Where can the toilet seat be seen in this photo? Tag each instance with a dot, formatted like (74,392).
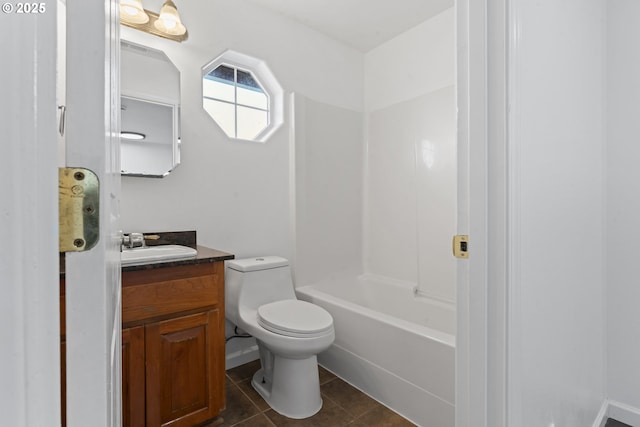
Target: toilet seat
(295,318)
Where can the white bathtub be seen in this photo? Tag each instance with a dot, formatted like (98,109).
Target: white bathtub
(392,344)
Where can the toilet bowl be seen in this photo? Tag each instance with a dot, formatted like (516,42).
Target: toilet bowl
(260,299)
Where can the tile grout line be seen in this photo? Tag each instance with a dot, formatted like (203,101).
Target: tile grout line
(250,399)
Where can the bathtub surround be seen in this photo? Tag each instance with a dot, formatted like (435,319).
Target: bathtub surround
(402,206)
(410,176)
(411,189)
(328,190)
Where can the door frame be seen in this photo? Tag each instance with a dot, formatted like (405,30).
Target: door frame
(482,280)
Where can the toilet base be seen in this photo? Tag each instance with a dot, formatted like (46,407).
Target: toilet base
(294,390)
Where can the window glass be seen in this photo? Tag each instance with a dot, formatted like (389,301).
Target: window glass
(224,114)
(236,101)
(252,98)
(214,89)
(254,121)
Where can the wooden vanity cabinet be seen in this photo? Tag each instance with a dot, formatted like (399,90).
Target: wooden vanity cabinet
(174,316)
(172,345)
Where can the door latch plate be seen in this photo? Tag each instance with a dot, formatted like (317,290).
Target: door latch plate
(461,246)
(78,209)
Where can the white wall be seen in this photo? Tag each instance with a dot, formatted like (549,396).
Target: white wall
(410,179)
(556,222)
(623,201)
(236,194)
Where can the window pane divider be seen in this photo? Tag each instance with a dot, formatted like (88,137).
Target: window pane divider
(211,98)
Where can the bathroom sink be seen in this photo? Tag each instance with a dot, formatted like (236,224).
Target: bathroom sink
(156,254)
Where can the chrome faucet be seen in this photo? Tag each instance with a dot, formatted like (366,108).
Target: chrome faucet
(133,240)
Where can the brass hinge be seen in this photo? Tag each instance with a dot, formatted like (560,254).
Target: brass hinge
(78,209)
(461,246)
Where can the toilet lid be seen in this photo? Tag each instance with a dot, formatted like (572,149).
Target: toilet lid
(295,318)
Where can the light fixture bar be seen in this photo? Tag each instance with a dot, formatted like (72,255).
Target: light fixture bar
(149,27)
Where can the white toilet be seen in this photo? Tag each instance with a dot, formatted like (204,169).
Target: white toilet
(259,298)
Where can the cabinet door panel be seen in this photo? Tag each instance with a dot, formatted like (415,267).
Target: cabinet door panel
(133,405)
(183,374)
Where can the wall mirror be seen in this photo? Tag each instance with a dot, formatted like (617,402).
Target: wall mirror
(150,112)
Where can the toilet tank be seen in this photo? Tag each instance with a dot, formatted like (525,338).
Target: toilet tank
(253,282)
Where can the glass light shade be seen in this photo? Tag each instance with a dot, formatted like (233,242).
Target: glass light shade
(169,21)
(131,11)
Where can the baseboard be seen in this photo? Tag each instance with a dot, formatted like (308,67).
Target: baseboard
(618,411)
(624,413)
(601,419)
(240,357)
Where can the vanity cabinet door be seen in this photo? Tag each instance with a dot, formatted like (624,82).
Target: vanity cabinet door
(185,371)
(133,399)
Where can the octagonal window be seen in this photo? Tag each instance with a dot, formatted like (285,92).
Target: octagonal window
(242,96)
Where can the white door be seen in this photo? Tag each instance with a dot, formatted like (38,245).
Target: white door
(93,323)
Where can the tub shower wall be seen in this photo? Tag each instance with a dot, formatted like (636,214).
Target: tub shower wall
(328,150)
(411,187)
(410,184)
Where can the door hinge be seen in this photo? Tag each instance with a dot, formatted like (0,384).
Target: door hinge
(78,209)
(461,246)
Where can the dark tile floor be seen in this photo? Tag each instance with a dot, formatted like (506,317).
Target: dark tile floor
(613,423)
(343,405)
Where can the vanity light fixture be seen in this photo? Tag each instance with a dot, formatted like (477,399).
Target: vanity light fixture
(167,24)
(132,12)
(136,136)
